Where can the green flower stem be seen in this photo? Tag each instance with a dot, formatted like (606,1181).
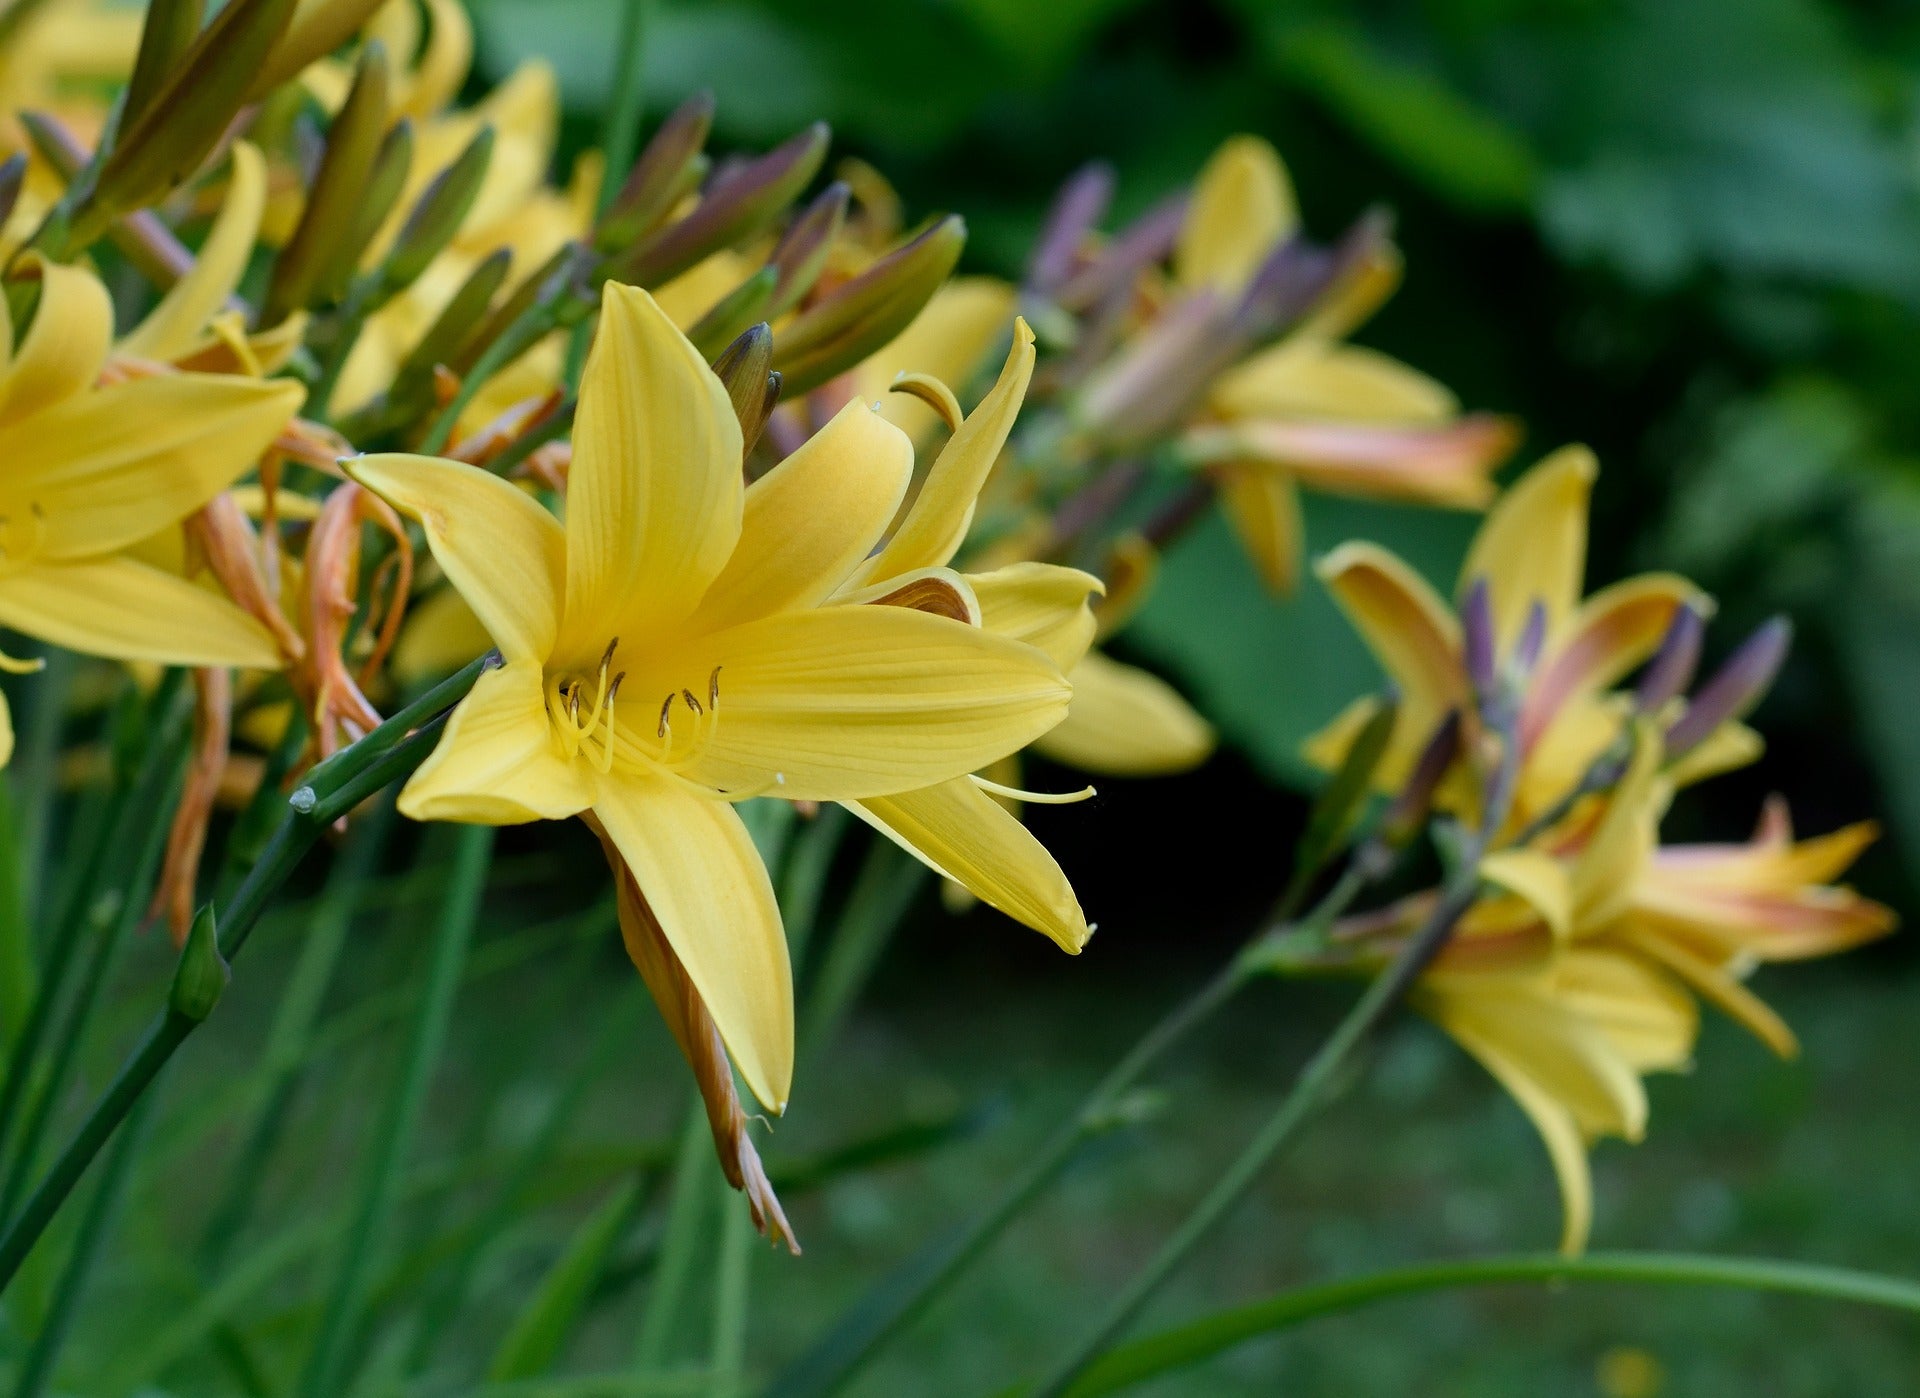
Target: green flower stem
(290,1037)
(620,136)
(378,754)
(1311,1088)
(883,890)
(689,1205)
(1318,1077)
(34,767)
(329,1364)
(39,1366)
(732,1275)
(555,306)
(908,1293)
(116,912)
(115,830)
(1190,1344)
(18,974)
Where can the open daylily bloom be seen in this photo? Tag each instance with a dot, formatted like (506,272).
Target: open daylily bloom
(673,649)
(1311,411)
(1531,551)
(1577,971)
(91,471)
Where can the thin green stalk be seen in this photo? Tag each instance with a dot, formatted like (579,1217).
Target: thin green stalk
(35,761)
(292,1033)
(904,1296)
(115,831)
(546,313)
(803,878)
(689,1206)
(1190,1344)
(329,1364)
(116,913)
(886,885)
(18,974)
(620,136)
(349,772)
(45,1354)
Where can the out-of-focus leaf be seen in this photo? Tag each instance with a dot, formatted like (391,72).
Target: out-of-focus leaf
(554,1308)
(1270,673)
(1039,38)
(1458,150)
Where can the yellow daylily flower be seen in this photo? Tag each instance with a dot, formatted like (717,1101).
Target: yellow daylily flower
(949,340)
(1576,974)
(1531,550)
(91,471)
(673,649)
(1311,411)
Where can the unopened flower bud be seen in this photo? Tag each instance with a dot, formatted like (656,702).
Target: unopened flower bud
(802,253)
(1077,210)
(339,191)
(385,183)
(13,175)
(860,316)
(318,28)
(1528,645)
(1407,814)
(668,169)
(1338,805)
(166,34)
(1477,639)
(736,205)
(745,369)
(187,115)
(438,214)
(1735,688)
(1672,668)
(200,978)
(1149,239)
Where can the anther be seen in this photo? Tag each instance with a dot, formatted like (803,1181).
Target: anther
(606,657)
(666,707)
(693,703)
(713,690)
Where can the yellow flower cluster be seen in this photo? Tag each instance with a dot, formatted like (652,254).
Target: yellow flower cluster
(689,456)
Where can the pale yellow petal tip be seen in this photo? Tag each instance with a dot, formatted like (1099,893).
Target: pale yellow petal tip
(1356,553)
(1575,459)
(1022,333)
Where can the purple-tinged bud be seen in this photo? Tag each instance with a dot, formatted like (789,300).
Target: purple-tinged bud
(1157,377)
(1527,647)
(1147,240)
(1672,668)
(738,203)
(1735,688)
(802,253)
(1477,639)
(660,177)
(744,367)
(733,313)
(1081,204)
(1293,276)
(13,174)
(1410,806)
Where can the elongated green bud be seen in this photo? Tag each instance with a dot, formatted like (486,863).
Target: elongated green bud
(339,189)
(802,254)
(166,34)
(456,321)
(385,184)
(187,115)
(837,332)
(437,215)
(734,312)
(738,204)
(200,978)
(746,369)
(1340,801)
(667,170)
(318,28)
(142,238)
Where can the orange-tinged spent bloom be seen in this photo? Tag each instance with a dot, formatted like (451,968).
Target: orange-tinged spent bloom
(93,471)
(672,649)
(1310,410)
(1531,553)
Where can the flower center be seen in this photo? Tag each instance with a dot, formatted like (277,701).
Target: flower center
(585,711)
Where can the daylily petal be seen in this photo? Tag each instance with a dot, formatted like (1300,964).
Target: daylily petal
(1614,630)
(499,763)
(1444,465)
(1728,748)
(654,497)
(1533,545)
(1413,635)
(128,611)
(936,522)
(1537,878)
(65,346)
(705,884)
(1311,379)
(949,340)
(810,521)
(937,591)
(1558,1130)
(1718,986)
(963,834)
(440,634)
(502,551)
(6,731)
(843,703)
(177,324)
(1242,205)
(1263,506)
(102,470)
(1620,848)
(1043,604)
(1125,722)
(1649,1018)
